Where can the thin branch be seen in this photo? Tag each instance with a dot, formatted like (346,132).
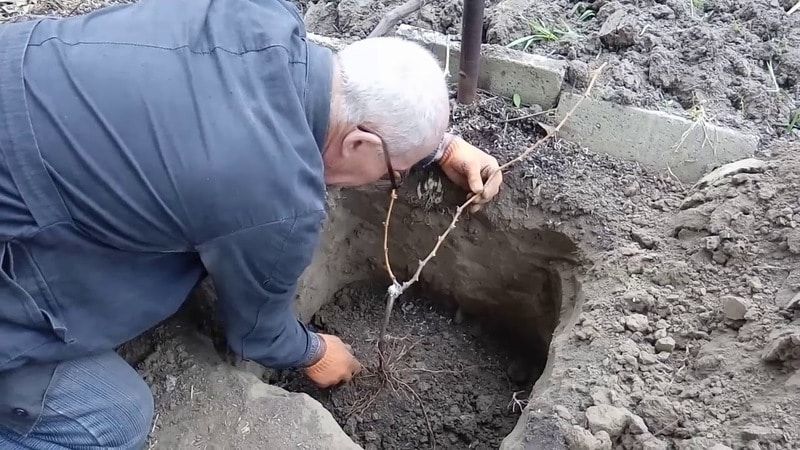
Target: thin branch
(386,237)
(396,289)
(794,8)
(447,58)
(527,116)
(394,17)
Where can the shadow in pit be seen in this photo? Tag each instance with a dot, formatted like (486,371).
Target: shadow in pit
(469,341)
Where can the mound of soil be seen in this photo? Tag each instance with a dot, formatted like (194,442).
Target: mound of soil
(447,377)
(704,59)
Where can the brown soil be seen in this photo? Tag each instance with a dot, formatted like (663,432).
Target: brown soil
(445,375)
(681,56)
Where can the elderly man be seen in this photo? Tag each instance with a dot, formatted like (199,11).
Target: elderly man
(145,146)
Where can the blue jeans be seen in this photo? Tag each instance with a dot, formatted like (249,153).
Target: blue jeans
(95,402)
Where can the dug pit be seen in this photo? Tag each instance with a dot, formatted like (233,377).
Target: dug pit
(446,377)
(471,343)
(467,343)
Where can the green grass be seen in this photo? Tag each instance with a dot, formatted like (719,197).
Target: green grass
(541,32)
(794,122)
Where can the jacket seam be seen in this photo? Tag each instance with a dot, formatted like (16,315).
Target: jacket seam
(261,224)
(266,282)
(161,47)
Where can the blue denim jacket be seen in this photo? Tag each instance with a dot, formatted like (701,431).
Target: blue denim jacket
(143,146)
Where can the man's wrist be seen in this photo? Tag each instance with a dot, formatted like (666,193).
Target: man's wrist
(438,153)
(316,349)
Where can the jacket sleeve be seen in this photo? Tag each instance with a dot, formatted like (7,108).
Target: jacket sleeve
(255,273)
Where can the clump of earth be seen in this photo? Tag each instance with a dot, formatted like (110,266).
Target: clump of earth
(445,377)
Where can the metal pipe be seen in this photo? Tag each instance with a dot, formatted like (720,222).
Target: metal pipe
(471,39)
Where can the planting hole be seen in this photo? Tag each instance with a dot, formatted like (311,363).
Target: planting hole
(459,377)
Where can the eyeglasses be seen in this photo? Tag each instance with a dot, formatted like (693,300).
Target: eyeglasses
(395,178)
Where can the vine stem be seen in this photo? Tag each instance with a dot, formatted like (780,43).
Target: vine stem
(396,289)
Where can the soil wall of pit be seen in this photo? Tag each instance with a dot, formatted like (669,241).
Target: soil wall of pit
(508,269)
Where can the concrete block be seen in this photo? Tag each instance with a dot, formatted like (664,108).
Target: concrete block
(503,71)
(334,44)
(652,137)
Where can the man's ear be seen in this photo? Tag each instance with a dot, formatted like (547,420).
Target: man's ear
(358,142)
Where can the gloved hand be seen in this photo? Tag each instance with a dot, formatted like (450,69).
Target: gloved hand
(334,364)
(469,167)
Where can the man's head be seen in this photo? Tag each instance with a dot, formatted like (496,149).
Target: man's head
(388,93)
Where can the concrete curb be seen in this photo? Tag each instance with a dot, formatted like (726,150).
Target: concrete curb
(648,137)
(653,138)
(537,80)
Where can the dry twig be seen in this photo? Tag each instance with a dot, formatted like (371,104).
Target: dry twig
(396,289)
(394,16)
(794,8)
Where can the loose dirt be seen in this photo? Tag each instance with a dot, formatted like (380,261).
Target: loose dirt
(704,59)
(687,326)
(445,375)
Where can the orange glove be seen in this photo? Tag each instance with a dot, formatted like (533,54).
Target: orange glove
(335,363)
(469,167)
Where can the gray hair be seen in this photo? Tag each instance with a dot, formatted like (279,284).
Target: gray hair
(396,85)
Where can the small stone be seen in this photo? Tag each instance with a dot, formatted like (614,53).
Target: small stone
(666,344)
(604,440)
(793,241)
(708,363)
(619,30)
(694,200)
(751,315)
(756,285)
(579,438)
(793,383)
(734,308)
(638,301)
(562,412)
(605,396)
(767,192)
(662,12)
(645,240)
(629,347)
(607,418)
(635,266)
(371,436)
(632,189)
(636,322)
(711,243)
(660,333)
(484,403)
(659,413)
(647,359)
(171,383)
(636,424)
(784,345)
